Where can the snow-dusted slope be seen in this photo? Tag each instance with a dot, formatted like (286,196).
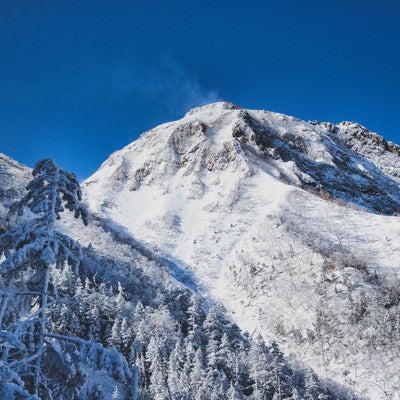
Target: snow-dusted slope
(13,178)
(124,290)
(291,225)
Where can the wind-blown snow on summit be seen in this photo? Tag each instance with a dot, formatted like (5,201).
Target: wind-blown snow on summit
(290,224)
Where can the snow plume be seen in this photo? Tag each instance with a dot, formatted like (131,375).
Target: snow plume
(167,85)
(176,88)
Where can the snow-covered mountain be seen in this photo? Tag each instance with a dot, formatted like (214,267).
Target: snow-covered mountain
(121,321)
(293,226)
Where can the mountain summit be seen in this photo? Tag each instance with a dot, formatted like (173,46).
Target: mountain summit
(291,225)
(344,161)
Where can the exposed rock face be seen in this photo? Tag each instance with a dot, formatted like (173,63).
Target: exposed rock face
(385,155)
(346,161)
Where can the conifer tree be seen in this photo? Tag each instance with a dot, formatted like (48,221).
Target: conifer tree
(115,394)
(281,374)
(34,247)
(197,376)
(157,368)
(233,393)
(36,361)
(195,317)
(259,361)
(178,373)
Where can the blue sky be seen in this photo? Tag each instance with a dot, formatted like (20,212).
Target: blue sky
(81,79)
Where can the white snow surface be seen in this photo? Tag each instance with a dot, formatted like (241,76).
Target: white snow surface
(253,236)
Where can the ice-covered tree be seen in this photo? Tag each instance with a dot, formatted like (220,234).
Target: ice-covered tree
(280,373)
(158,368)
(178,381)
(50,191)
(34,247)
(233,393)
(116,394)
(34,358)
(259,361)
(195,317)
(198,375)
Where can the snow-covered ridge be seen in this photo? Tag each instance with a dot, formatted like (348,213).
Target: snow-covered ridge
(278,219)
(343,161)
(375,148)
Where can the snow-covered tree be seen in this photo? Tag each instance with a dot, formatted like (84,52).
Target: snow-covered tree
(197,376)
(34,247)
(195,317)
(280,373)
(233,393)
(259,358)
(116,394)
(178,380)
(11,385)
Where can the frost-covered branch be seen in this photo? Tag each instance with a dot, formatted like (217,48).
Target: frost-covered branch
(30,252)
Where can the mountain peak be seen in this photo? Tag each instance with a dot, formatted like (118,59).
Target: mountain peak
(220,105)
(277,218)
(362,140)
(344,162)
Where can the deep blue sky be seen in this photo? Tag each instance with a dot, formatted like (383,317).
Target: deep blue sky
(81,79)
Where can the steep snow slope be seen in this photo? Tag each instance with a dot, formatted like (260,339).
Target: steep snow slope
(280,220)
(126,296)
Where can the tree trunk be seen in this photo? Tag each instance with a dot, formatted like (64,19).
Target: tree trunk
(42,328)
